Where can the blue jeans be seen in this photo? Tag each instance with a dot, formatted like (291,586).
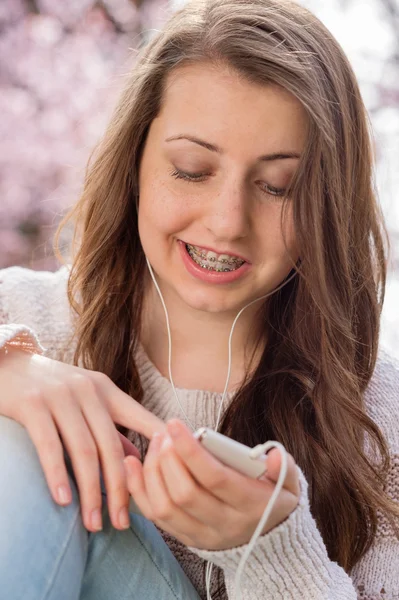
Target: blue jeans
(46,553)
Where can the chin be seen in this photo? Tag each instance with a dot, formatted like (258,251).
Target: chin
(213,301)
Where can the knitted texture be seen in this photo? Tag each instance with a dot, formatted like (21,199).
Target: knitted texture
(291,560)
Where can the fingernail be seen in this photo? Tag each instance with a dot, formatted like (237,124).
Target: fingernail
(63,494)
(174,429)
(96,521)
(124,520)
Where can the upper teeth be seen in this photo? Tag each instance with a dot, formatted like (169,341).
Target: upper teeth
(213,257)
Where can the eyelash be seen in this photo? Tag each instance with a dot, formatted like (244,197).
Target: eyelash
(196,178)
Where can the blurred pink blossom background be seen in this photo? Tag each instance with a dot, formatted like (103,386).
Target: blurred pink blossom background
(61,64)
(61,67)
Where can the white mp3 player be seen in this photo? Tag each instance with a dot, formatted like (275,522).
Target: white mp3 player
(232,453)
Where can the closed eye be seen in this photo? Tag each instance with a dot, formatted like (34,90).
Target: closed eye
(269,189)
(198,177)
(177,174)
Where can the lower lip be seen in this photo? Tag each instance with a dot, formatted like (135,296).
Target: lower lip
(210,276)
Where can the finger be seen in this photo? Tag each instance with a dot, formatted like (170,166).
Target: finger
(185,491)
(83,453)
(226,484)
(136,485)
(291,481)
(124,410)
(229,486)
(109,447)
(162,505)
(44,435)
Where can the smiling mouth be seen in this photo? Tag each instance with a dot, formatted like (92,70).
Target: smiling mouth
(211,261)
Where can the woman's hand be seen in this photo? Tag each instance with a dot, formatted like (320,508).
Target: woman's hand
(187,492)
(55,401)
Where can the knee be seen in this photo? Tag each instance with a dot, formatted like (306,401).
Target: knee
(19,458)
(20,468)
(14,439)
(39,539)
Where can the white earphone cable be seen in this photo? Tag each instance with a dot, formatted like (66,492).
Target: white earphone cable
(169,346)
(256,452)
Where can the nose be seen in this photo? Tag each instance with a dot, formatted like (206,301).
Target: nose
(227,216)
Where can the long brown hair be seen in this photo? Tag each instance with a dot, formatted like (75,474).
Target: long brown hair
(323,326)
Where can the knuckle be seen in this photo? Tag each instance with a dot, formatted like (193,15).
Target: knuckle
(217,478)
(34,397)
(163,512)
(192,451)
(115,483)
(90,492)
(50,447)
(113,455)
(81,382)
(90,486)
(184,497)
(99,377)
(32,403)
(58,472)
(119,488)
(149,469)
(114,449)
(59,387)
(88,450)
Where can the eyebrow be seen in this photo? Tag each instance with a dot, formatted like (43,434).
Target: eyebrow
(214,148)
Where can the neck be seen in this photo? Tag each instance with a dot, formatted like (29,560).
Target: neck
(200,342)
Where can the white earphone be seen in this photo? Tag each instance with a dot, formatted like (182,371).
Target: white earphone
(250,461)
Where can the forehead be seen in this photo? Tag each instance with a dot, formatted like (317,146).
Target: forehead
(217,102)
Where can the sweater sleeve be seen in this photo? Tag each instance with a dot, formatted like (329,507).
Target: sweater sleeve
(288,562)
(291,560)
(21,336)
(16,334)
(31,306)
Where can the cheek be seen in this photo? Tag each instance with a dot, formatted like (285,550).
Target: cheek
(160,210)
(164,216)
(165,206)
(277,240)
(155,206)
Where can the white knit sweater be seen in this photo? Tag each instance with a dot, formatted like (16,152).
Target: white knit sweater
(289,562)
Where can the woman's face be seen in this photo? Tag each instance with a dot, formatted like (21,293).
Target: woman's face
(214,166)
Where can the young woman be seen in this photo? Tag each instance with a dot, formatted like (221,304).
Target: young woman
(239,164)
